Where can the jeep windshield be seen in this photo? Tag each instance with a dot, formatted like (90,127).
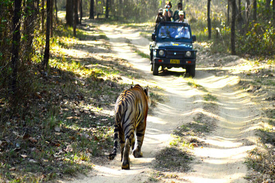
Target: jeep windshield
(173,32)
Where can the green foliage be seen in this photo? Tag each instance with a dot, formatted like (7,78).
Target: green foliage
(259,40)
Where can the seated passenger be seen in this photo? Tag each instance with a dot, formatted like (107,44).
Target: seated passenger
(172,31)
(162,32)
(183,32)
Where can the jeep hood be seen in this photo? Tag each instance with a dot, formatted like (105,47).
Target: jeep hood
(174,45)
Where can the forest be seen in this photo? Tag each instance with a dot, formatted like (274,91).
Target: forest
(43,92)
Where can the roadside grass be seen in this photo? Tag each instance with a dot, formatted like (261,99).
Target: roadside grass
(65,125)
(173,159)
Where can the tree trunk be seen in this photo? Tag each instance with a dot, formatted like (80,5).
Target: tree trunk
(107,9)
(56,11)
(92,9)
(267,7)
(273,8)
(51,18)
(81,11)
(69,13)
(233,48)
(209,19)
(15,44)
(240,19)
(75,16)
(45,63)
(42,14)
(29,28)
(255,10)
(228,13)
(120,7)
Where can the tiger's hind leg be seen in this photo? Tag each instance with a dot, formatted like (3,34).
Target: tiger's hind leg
(140,132)
(126,160)
(122,142)
(128,142)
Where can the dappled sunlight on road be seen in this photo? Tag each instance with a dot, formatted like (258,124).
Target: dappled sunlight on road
(220,158)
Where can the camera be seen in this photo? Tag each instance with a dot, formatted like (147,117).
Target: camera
(167,6)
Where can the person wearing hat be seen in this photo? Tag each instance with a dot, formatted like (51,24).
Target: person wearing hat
(181,18)
(176,13)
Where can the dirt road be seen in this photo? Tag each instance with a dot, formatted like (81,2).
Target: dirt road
(221,160)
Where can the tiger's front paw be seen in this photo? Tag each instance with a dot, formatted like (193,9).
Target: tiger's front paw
(137,154)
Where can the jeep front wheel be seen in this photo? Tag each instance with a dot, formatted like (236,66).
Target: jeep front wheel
(190,70)
(155,69)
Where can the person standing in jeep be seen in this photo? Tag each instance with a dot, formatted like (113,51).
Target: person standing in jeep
(176,13)
(181,18)
(160,17)
(168,13)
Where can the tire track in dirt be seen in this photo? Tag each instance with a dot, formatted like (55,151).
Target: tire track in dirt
(222,160)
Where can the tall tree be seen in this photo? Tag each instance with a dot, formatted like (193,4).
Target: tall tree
(228,12)
(233,47)
(56,10)
(240,18)
(120,7)
(81,11)
(255,10)
(45,62)
(15,44)
(69,13)
(107,9)
(208,18)
(75,16)
(248,9)
(43,14)
(267,7)
(273,8)
(92,2)
(51,18)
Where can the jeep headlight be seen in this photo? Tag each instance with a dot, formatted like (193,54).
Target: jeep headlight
(161,52)
(188,54)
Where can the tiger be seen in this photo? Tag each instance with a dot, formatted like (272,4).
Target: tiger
(131,111)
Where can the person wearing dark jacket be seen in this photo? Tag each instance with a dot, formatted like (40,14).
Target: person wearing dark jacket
(176,13)
(160,17)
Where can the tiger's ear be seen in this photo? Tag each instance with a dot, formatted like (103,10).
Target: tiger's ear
(132,86)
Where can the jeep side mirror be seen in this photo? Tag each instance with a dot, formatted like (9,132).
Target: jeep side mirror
(194,38)
(153,37)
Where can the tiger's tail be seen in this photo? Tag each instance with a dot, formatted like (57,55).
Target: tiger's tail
(112,155)
(118,118)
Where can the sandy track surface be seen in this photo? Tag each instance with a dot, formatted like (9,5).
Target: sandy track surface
(219,161)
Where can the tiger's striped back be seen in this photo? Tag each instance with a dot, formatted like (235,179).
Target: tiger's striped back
(130,120)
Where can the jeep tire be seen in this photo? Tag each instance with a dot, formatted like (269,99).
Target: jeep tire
(155,69)
(190,70)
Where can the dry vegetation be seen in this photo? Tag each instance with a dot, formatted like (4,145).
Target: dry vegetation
(65,124)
